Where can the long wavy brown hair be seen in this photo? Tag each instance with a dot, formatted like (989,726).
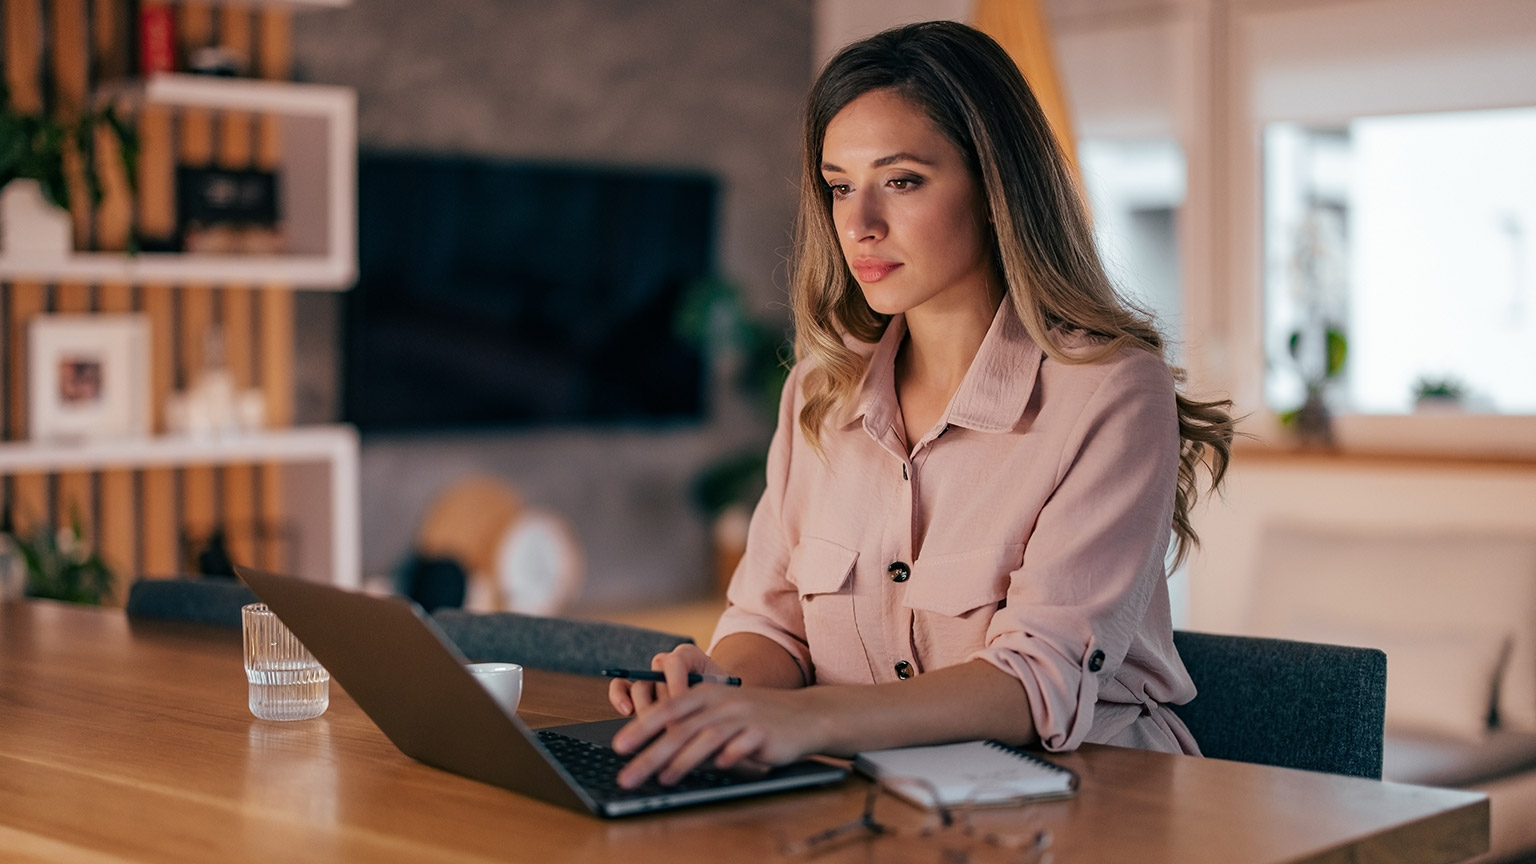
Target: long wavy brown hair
(1042,237)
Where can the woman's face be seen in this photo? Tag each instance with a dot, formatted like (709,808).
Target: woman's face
(910,218)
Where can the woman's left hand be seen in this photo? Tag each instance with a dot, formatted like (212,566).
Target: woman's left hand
(752,726)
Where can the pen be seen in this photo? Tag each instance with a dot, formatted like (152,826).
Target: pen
(693,677)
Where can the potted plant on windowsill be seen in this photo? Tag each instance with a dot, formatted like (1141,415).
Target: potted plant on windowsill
(1313,420)
(35,154)
(1317,344)
(1432,395)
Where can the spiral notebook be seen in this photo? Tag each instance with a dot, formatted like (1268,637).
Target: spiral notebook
(971,772)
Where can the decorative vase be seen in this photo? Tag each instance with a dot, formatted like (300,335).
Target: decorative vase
(1314,422)
(31,229)
(13,569)
(1428,404)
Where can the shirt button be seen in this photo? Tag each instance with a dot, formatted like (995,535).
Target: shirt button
(899,572)
(903,670)
(1095,661)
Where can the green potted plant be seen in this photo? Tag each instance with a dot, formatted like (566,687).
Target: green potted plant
(1438,394)
(1312,420)
(756,357)
(33,166)
(60,565)
(1317,345)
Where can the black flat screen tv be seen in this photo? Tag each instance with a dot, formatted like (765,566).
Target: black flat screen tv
(507,294)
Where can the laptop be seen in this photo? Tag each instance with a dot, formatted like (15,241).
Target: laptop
(410,680)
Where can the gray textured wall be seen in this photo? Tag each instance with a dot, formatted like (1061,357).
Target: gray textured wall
(681,83)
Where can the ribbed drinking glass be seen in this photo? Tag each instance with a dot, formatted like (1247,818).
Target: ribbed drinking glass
(287,682)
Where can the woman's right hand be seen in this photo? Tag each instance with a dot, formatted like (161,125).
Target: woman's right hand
(628,697)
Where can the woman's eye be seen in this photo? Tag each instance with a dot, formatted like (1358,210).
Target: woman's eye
(839,190)
(902,184)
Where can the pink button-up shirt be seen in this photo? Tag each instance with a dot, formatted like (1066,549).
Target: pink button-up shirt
(1027,529)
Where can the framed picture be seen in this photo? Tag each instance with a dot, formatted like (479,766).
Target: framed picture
(89,376)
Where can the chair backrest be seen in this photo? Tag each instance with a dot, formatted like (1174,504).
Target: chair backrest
(556,644)
(1281,702)
(215,602)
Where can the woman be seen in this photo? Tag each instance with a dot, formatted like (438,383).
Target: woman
(979,457)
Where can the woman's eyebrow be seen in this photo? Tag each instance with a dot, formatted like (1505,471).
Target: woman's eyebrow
(883,161)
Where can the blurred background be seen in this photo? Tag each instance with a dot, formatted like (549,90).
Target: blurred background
(571,221)
(1262,175)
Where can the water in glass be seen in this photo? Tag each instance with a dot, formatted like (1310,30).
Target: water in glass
(286,682)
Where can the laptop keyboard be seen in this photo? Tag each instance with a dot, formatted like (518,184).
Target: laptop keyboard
(596,767)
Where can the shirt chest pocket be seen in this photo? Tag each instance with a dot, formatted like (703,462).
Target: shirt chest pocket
(822,572)
(953,598)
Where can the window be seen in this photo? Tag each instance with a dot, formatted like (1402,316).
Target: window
(1134,188)
(1409,241)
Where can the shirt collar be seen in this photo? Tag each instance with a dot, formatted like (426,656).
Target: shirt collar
(992,396)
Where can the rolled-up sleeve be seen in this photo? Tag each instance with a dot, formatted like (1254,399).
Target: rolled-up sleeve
(761,597)
(1094,554)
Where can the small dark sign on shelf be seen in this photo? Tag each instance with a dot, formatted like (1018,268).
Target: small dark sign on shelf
(223,210)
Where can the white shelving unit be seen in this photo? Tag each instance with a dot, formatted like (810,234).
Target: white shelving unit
(318,192)
(317,197)
(322,473)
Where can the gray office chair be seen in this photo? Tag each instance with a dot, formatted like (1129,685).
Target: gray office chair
(555,644)
(215,602)
(1293,704)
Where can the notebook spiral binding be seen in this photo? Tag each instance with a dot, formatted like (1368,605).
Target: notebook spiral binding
(1036,760)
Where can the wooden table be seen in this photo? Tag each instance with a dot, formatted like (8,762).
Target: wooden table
(132,742)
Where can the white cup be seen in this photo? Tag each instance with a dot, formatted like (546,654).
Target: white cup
(503,680)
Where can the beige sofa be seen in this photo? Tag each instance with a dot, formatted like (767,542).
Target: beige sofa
(1455,611)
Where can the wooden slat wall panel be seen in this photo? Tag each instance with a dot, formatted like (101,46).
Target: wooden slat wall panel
(110,51)
(145,515)
(111,28)
(235,33)
(276,344)
(199,483)
(71,56)
(195,147)
(30,498)
(157,172)
(277,354)
(117,491)
(159,499)
(31,501)
(114,216)
(75,492)
(118,531)
(71,74)
(75,498)
(196,138)
(274,60)
(24,54)
(239,487)
(240,513)
(194,26)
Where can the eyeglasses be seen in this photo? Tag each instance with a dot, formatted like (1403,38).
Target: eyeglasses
(954,829)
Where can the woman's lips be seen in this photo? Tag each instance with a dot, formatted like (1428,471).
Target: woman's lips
(872,269)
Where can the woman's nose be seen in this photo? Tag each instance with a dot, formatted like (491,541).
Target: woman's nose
(866,219)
